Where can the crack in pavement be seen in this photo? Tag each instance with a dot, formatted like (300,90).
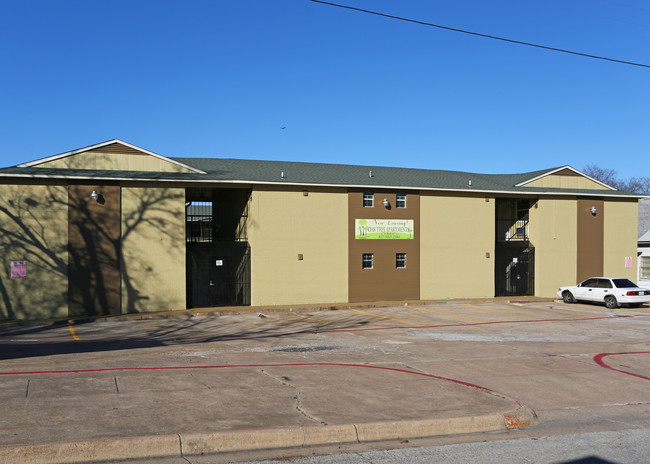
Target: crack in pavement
(284,380)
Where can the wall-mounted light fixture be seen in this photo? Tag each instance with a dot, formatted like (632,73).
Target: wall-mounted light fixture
(593,210)
(98,197)
(386,202)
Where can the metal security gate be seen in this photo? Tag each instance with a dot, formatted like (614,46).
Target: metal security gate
(515,271)
(218,254)
(219,274)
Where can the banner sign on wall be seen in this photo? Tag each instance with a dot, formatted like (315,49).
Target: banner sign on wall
(18,269)
(383,229)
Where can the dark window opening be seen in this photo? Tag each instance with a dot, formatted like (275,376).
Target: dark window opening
(200,225)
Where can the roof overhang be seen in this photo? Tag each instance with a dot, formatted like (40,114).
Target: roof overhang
(527,193)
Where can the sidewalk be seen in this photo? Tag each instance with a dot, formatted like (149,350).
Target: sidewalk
(92,416)
(173,406)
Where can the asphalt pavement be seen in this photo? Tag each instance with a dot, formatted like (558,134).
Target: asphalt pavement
(156,386)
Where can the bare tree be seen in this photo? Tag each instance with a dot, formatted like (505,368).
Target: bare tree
(610,177)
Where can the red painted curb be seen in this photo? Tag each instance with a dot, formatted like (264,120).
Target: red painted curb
(598,359)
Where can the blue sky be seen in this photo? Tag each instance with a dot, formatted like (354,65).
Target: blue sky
(220,78)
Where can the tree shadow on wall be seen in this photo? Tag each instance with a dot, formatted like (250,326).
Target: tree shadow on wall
(157,218)
(74,248)
(31,231)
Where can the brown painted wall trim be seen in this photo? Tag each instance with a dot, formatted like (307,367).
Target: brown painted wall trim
(384,281)
(591,234)
(94,250)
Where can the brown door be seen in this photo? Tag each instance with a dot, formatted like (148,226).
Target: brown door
(93,250)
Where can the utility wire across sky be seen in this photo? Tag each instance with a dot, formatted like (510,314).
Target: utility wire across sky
(482,35)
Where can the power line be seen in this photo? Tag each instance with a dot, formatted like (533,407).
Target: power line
(482,35)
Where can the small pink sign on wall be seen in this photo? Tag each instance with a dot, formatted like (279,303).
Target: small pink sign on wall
(18,269)
(628,262)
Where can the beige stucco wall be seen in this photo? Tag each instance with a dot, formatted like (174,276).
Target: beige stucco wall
(573,181)
(621,217)
(456,232)
(96,159)
(34,228)
(552,231)
(153,249)
(283,223)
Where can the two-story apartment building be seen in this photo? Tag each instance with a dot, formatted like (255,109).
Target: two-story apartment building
(113,228)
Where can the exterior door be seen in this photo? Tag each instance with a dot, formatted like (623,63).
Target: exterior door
(218,274)
(514,271)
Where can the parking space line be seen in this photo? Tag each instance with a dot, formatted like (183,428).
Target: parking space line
(500,311)
(74,335)
(386,317)
(553,310)
(445,314)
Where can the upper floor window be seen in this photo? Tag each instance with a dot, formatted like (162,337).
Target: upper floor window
(368,200)
(367,261)
(400,200)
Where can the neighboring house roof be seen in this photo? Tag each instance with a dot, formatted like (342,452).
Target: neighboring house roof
(645,239)
(240,171)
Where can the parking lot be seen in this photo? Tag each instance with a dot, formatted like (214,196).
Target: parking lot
(571,363)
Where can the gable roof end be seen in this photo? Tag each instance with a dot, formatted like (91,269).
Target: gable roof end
(556,170)
(103,144)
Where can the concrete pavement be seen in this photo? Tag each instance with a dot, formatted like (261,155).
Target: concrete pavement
(111,405)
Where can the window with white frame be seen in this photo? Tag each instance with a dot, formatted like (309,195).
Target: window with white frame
(400,260)
(367,261)
(645,267)
(368,200)
(400,200)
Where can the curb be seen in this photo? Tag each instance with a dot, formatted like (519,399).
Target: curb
(250,440)
(272,309)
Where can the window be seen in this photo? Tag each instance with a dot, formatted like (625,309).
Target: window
(590,283)
(400,260)
(400,200)
(198,215)
(367,261)
(368,200)
(606,283)
(622,283)
(645,267)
